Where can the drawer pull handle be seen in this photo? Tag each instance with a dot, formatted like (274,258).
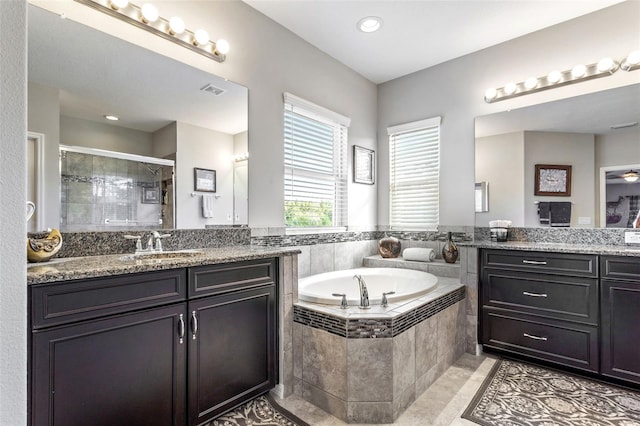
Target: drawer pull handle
(194,325)
(181,328)
(526,293)
(534,262)
(534,337)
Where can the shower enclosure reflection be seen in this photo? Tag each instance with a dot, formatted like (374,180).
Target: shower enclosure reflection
(104,190)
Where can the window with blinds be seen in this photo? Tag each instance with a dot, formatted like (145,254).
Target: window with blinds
(315,165)
(414,151)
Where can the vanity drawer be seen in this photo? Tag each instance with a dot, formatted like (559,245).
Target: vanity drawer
(70,301)
(584,265)
(618,267)
(222,278)
(551,296)
(574,345)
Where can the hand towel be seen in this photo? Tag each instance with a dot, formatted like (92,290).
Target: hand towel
(560,213)
(419,254)
(543,212)
(207,205)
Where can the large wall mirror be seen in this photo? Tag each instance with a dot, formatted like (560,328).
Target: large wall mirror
(167,110)
(596,134)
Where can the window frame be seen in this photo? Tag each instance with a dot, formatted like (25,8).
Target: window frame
(340,124)
(434,206)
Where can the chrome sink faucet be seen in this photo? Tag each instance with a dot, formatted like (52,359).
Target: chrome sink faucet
(155,235)
(364,293)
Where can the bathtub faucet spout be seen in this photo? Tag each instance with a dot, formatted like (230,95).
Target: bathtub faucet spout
(364,293)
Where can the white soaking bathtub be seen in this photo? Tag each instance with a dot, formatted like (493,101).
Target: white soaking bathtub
(407,284)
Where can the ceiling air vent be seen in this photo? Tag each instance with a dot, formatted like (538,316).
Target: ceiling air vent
(216,91)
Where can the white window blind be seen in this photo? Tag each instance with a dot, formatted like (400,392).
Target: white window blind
(315,165)
(414,174)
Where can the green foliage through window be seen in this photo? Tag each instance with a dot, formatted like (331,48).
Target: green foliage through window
(307,213)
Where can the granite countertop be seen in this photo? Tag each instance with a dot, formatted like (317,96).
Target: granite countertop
(619,250)
(72,268)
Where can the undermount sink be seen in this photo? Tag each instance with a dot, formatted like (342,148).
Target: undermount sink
(160,255)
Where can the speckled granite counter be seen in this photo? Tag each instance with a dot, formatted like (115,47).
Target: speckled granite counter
(72,268)
(614,250)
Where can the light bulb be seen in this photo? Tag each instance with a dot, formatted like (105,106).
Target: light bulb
(631,61)
(634,57)
(176,25)
(119,4)
(531,83)
(490,94)
(578,71)
(510,88)
(222,46)
(631,176)
(200,37)
(554,77)
(605,65)
(149,13)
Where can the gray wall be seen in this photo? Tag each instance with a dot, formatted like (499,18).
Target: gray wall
(44,117)
(204,149)
(91,134)
(575,149)
(13,256)
(505,174)
(455,90)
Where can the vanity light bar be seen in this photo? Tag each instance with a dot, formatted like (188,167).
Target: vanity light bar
(147,18)
(605,67)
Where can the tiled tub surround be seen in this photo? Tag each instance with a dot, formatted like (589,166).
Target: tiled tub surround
(369,366)
(327,252)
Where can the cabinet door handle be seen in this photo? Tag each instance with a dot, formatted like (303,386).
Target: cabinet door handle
(181,328)
(194,325)
(534,262)
(530,336)
(526,293)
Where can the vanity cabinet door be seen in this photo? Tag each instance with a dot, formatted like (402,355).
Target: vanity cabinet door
(124,370)
(232,350)
(620,332)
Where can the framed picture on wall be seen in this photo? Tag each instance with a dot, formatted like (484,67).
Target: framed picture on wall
(204,180)
(151,195)
(552,180)
(363,165)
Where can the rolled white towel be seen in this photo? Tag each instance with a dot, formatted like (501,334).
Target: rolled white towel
(419,254)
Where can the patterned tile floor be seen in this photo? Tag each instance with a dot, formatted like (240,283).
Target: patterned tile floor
(442,404)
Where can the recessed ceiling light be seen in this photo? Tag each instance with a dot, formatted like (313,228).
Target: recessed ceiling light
(369,24)
(111,117)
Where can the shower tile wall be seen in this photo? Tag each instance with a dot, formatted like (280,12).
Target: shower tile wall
(104,193)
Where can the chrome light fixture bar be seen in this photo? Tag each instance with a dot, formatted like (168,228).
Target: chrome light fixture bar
(604,68)
(148,18)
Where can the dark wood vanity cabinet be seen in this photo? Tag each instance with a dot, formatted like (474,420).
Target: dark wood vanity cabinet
(620,328)
(142,349)
(233,355)
(542,305)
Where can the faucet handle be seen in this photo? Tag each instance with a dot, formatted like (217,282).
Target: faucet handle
(343,302)
(138,240)
(385,302)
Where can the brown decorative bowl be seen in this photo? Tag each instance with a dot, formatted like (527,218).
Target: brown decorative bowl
(389,247)
(44,247)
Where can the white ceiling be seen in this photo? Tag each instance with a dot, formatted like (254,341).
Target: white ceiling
(416,34)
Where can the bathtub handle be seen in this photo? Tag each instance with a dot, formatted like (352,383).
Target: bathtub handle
(343,302)
(385,302)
